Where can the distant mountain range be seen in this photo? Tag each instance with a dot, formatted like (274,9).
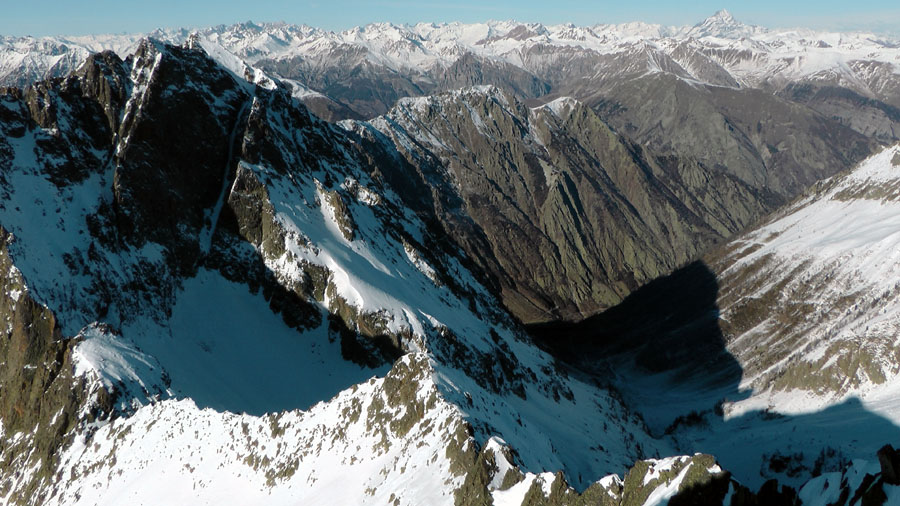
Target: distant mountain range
(425,58)
(495,263)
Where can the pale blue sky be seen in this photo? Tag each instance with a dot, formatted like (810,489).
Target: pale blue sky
(58,17)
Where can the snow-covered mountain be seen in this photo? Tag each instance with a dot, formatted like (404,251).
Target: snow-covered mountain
(212,295)
(253,263)
(720,50)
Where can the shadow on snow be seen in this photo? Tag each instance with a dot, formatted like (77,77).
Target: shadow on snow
(663,350)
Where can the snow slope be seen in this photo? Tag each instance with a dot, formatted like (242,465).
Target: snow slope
(806,309)
(174,452)
(837,253)
(196,356)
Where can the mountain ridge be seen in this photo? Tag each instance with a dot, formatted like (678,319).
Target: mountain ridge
(184,241)
(646,90)
(304,256)
(423,45)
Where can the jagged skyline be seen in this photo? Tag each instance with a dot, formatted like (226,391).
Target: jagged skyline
(450,265)
(53,17)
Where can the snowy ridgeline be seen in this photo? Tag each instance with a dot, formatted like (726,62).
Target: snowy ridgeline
(751,55)
(333,453)
(197,362)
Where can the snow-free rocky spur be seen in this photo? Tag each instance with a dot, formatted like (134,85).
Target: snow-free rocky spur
(213,295)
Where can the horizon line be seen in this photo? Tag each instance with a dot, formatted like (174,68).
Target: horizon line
(894,33)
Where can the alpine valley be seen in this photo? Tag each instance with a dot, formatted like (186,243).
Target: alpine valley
(498,263)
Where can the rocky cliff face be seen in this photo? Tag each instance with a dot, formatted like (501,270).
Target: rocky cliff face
(724,122)
(600,213)
(42,400)
(872,118)
(762,140)
(567,216)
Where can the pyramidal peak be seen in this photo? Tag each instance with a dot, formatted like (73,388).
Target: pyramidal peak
(723,24)
(722,15)
(720,18)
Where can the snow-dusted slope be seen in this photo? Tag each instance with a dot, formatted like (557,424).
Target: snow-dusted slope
(336,452)
(831,264)
(777,352)
(255,265)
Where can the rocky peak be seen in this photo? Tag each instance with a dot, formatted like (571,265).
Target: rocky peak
(104,76)
(723,25)
(175,145)
(469,96)
(722,16)
(562,107)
